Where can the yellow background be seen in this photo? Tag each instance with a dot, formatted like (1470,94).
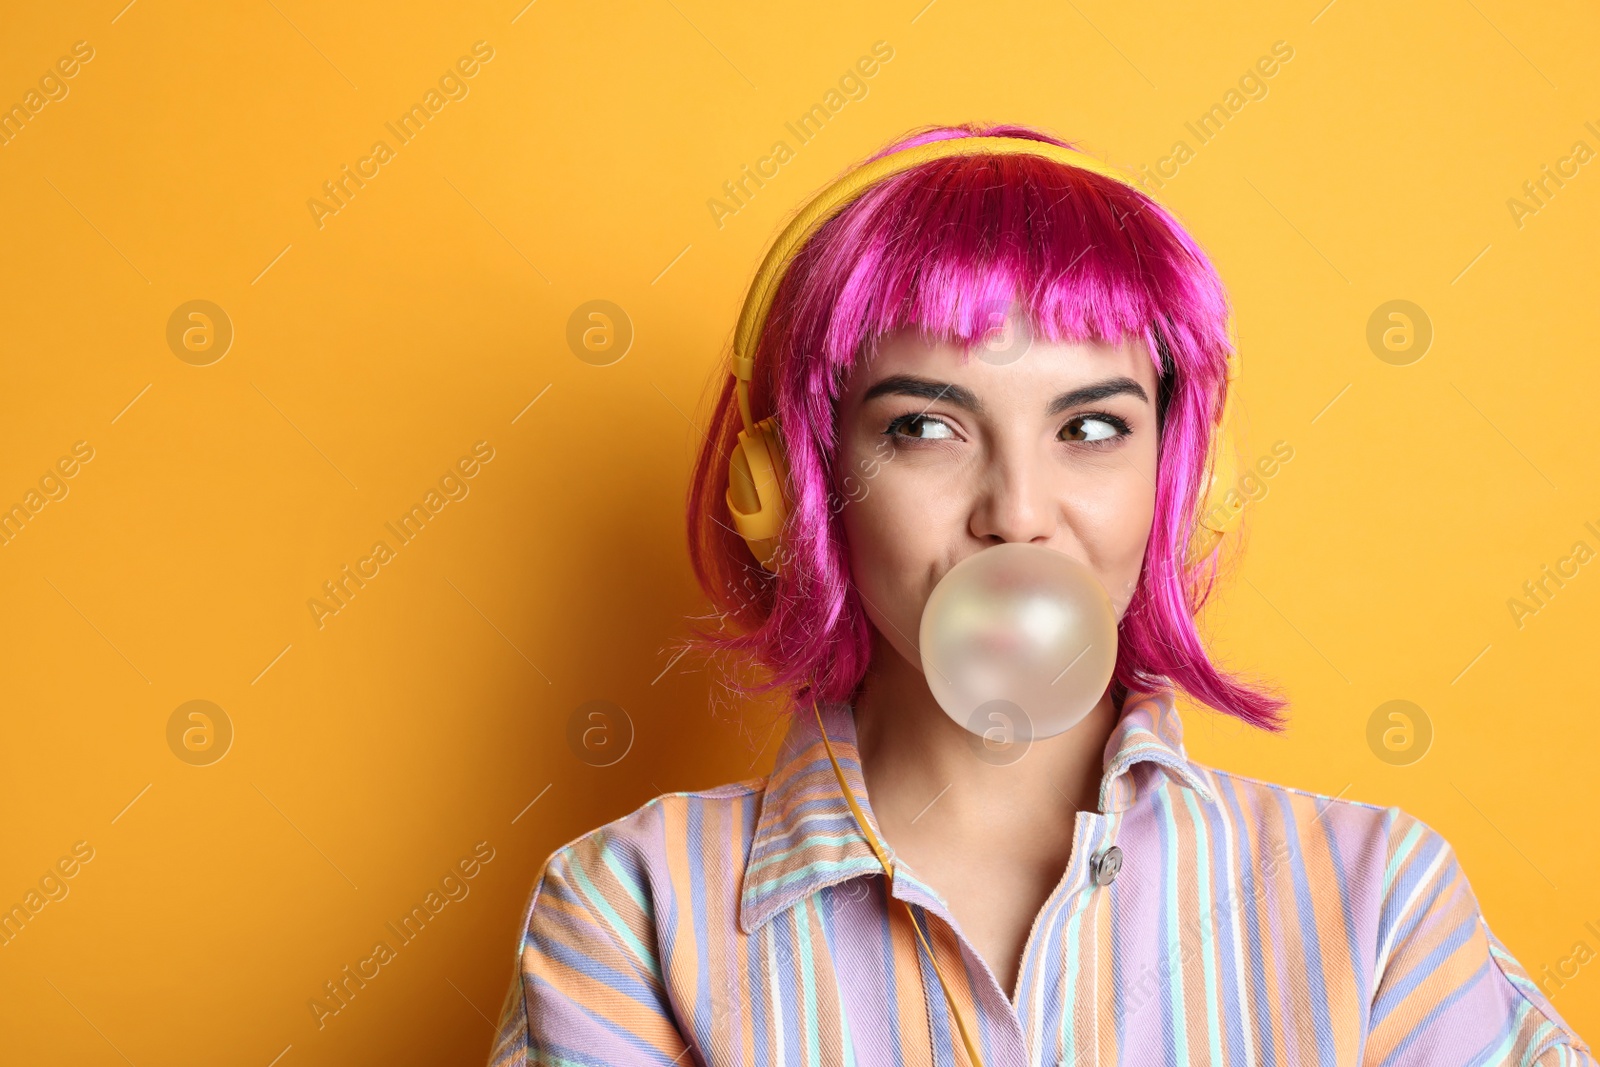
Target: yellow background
(371,352)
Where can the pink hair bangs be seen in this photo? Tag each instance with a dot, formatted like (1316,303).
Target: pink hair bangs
(939,248)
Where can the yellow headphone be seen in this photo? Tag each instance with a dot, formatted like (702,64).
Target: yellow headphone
(758,473)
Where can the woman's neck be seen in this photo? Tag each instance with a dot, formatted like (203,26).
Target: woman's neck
(925,778)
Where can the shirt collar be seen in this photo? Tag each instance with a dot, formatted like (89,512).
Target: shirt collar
(806,838)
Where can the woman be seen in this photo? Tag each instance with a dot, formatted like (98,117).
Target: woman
(895,892)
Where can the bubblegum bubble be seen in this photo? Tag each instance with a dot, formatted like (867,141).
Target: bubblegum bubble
(1024,624)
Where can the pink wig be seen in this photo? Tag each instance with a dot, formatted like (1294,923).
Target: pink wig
(934,248)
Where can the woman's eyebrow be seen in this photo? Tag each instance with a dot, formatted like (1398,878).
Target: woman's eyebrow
(961,397)
(1088,394)
(925,388)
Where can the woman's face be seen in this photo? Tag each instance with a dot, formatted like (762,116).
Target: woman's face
(941,458)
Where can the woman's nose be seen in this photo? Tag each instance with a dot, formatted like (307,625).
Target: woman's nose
(1013,501)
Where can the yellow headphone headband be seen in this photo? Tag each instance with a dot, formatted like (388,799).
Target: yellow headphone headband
(757,470)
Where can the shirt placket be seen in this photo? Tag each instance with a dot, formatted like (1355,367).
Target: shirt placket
(1007,1032)
(1062,944)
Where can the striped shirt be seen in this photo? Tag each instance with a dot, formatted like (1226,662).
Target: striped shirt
(1249,924)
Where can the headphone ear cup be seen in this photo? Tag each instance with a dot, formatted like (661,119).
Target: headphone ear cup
(1221,505)
(758,476)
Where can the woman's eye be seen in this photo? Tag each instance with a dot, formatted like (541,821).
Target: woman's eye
(1094,429)
(922,427)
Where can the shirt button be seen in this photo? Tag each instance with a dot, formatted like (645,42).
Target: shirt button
(1105,865)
